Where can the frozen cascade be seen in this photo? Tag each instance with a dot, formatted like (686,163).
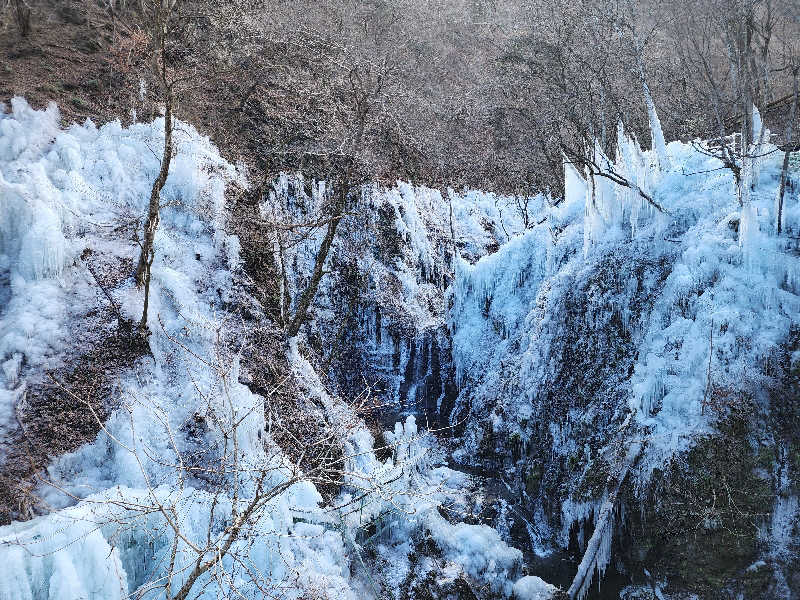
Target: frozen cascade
(105,547)
(614,212)
(667,280)
(603,260)
(398,329)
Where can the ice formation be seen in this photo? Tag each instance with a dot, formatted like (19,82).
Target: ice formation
(531,587)
(64,190)
(664,280)
(704,263)
(656,133)
(400,248)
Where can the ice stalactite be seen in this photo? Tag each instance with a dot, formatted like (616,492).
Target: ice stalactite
(597,555)
(752,158)
(634,166)
(37,566)
(760,137)
(758,125)
(577,194)
(749,234)
(574,184)
(601,202)
(606,199)
(656,133)
(615,211)
(31,233)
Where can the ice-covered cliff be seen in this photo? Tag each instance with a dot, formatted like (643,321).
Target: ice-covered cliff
(136,469)
(613,357)
(614,326)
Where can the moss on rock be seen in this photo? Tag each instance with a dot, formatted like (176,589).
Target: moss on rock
(699,525)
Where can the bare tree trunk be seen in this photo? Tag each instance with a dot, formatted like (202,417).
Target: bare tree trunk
(738,34)
(301,312)
(744,52)
(23,15)
(147,254)
(787,153)
(766,37)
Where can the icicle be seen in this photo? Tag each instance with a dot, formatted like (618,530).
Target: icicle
(750,236)
(574,183)
(31,231)
(758,125)
(760,138)
(656,133)
(598,552)
(608,210)
(627,166)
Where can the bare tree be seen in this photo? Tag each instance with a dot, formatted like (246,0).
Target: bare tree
(22,14)
(159,14)
(789,54)
(716,50)
(362,98)
(348,63)
(173,59)
(789,141)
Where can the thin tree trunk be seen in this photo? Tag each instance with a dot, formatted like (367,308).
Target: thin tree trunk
(746,81)
(301,312)
(787,153)
(303,305)
(147,254)
(160,22)
(23,14)
(284,298)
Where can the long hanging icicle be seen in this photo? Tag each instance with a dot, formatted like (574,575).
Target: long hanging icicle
(656,133)
(574,183)
(598,550)
(760,136)
(659,145)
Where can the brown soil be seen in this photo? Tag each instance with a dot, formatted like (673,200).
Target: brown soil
(70,57)
(59,414)
(79,55)
(62,408)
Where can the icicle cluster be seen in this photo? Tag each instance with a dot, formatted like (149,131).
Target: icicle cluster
(614,212)
(31,208)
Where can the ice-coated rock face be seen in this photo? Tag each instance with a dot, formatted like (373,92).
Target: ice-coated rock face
(573,343)
(623,326)
(122,501)
(560,346)
(380,316)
